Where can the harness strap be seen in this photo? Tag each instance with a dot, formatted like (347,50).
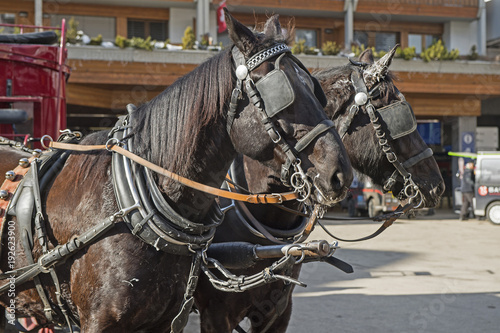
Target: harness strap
(390,218)
(347,123)
(408,164)
(180,321)
(251,198)
(322,127)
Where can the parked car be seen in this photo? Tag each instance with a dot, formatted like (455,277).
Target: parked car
(367,199)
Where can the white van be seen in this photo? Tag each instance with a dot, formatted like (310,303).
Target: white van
(487,186)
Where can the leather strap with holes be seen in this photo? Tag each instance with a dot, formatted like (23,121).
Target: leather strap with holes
(251,198)
(10,186)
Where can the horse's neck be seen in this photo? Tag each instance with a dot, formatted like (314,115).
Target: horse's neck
(207,164)
(210,169)
(261,179)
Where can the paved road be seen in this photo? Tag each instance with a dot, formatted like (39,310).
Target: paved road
(430,274)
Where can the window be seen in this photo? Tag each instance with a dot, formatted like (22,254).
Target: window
(140,28)
(420,42)
(385,41)
(382,41)
(8,18)
(490,172)
(90,25)
(309,35)
(415,41)
(361,38)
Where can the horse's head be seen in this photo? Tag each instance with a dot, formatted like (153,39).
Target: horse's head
(378,128)
(276,116)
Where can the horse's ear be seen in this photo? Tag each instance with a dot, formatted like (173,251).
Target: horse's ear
(240,35)
(366,56)
(272,27)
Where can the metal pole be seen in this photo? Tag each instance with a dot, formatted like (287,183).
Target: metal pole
(481,28)
(206,14)
(200,19)
(348,23)
(38,13)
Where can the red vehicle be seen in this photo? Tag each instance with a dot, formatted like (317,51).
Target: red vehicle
(33,78)
(33,83)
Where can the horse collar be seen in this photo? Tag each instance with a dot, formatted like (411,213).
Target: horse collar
(152,219)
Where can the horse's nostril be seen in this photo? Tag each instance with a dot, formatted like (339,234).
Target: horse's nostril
(341,179)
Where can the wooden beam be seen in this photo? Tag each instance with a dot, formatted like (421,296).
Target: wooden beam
(133,73)
(444,105)
(480,85)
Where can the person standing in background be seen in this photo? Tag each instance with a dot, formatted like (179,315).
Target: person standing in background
(467,189)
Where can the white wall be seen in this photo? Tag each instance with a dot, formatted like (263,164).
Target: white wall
(492,19)
(460,35)
(180,19)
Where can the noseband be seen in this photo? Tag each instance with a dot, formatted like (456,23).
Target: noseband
(398,120)
(270,95)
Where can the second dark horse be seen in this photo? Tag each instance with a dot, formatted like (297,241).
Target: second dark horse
(269,307)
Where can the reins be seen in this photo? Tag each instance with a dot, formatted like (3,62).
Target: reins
(272,198)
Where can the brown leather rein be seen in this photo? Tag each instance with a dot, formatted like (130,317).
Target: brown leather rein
(251,198)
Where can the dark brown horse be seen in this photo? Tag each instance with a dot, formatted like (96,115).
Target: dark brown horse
(121,284)
(269,307)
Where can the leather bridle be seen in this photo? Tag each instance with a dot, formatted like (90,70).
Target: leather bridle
(269,104)
(362,99)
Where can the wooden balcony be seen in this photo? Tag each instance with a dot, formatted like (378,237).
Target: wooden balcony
(433,8)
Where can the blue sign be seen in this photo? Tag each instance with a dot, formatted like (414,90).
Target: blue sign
(468,142)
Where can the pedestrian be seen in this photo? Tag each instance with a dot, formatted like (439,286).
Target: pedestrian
(467,189)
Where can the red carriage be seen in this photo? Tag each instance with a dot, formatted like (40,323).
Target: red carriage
(33,84)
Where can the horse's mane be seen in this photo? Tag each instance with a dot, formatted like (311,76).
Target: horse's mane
(168,129)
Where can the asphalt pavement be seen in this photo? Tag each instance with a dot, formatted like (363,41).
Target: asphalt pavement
(428,274)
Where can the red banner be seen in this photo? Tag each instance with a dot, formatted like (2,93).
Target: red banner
(221,22)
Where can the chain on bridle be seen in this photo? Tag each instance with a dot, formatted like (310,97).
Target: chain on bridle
(388,126)
(270,95)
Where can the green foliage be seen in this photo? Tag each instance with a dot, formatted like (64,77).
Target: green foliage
(96,40)
(189,39)
(72,31)
(301,47)
(408,53)
(122,42)
(357,50)
(473,53)
(330,48)
(142,44)
(437,51)
(135,42)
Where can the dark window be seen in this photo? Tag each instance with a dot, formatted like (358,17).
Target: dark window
(8,18)
(421,42)
(156,29)
(490,172)
(309,35)
(361,38)
(384,41)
